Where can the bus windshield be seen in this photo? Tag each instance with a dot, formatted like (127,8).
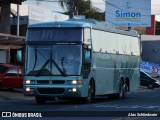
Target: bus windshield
(44,60)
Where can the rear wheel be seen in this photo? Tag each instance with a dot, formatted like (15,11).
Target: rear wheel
(40,100)
(122,90)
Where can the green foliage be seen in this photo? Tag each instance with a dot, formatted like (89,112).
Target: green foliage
(83,7)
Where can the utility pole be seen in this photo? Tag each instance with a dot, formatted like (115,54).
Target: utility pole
(71,14)
(18,18)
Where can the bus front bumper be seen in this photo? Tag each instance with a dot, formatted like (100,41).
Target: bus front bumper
(56,91)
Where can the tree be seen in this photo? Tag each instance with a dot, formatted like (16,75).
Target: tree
(83,7)
(80,6)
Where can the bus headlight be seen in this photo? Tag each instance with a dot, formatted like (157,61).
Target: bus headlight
(30,82)
(75,82)
(74,90)
(28,89)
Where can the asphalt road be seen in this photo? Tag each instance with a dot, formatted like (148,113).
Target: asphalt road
(139,103)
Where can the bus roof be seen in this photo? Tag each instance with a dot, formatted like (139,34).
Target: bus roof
(59,24)
(91,23)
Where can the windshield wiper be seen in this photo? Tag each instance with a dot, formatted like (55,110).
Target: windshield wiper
(62,63)
(56,65)
(35,52)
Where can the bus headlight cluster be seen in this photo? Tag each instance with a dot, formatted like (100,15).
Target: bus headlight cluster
(75,82)
(30,82)
(74,90)
(28,89)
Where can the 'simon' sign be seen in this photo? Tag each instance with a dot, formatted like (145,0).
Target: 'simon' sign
(128,13)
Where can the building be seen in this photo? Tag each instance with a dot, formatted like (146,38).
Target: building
(152,29)
(150,48)
(11,46)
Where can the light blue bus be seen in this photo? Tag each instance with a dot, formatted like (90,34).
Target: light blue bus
(80,59)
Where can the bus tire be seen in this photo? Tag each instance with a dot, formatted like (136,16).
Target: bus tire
(40,100)
(122,90)
(90,96)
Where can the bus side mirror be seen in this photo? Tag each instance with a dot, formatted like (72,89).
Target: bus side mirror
(88,56)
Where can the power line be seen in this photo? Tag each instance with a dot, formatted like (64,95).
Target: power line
(121,8)
(125,6)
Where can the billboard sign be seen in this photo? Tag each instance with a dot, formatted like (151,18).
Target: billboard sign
(128,13)
(150,67)
(37,15)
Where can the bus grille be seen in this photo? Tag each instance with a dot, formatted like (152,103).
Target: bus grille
(52,82)
(50,90)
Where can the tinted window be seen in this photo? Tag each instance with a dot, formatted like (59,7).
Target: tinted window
(143,75)
(12,72)
(54,34)
(3,69)
(19,55)
(67,58)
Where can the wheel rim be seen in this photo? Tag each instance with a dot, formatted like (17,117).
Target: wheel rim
(121,93)
(123,90)
(89,93)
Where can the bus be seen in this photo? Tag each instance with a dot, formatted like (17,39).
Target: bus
(80,59)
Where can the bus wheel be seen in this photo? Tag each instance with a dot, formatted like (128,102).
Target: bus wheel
(40,100)
(122,90)
(90,96)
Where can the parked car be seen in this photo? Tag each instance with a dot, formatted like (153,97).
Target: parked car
(11,76)
(147,80)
